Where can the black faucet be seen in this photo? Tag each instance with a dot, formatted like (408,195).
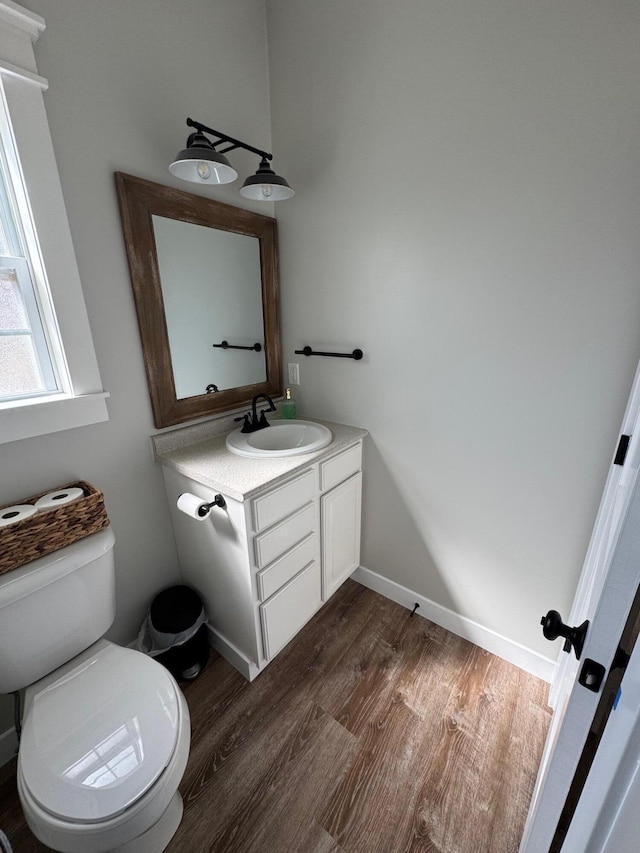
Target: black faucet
(254,421)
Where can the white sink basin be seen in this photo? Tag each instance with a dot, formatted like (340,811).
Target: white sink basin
(280,438)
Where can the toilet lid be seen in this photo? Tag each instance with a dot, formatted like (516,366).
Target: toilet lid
(97,738)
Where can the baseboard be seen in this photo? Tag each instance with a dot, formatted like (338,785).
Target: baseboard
(504,648)
(8,746)
(232,654)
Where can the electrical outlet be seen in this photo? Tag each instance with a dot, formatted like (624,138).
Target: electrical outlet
(294,374)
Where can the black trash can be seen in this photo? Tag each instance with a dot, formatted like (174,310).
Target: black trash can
(178,611)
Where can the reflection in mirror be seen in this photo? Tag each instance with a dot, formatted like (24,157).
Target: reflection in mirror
(211,289)
(205,282)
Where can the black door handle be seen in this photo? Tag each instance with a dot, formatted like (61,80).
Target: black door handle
(553,627)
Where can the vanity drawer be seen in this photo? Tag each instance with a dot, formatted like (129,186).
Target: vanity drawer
(274,542)
(281,502)
(288,610)
(340,467)
(277,574)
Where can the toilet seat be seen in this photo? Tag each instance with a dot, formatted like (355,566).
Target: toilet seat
(98,734)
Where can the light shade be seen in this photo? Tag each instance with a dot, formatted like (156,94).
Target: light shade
(200,163)
(265,185)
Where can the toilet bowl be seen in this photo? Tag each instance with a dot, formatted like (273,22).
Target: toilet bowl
(104,744)
(105,731)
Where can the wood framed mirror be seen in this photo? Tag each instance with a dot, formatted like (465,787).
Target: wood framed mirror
(205,283)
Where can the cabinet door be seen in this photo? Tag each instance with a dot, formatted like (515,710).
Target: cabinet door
(341,511)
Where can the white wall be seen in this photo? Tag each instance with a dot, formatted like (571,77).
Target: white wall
(467,212)
(123,78)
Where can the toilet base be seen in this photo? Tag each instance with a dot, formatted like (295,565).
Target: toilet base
(157,837)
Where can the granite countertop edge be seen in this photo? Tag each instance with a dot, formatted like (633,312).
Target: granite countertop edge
(210,463)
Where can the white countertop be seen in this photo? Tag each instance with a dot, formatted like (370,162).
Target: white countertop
(208,461)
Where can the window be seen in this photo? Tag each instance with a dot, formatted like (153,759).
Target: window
(49,378)
(27,368)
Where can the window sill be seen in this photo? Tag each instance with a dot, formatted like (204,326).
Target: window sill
(41,417)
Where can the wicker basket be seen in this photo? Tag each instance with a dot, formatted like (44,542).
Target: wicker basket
(52,529)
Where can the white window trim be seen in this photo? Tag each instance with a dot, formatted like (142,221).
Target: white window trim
(86,404)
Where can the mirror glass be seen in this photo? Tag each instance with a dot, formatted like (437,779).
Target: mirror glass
(218,300)
(205,282)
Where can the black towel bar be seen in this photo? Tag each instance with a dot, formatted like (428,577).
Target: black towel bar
(356,354)
(227,345)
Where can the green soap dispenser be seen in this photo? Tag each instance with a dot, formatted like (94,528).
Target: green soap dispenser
(289,405)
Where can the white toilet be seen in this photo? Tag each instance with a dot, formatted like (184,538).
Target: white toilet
(105,729)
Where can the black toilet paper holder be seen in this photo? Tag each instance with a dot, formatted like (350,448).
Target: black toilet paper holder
(206,507)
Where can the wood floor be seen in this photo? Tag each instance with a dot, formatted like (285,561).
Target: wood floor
(372,732)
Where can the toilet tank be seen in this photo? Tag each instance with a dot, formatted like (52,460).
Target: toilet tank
(53,608)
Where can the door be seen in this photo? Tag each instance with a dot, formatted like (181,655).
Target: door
(606,817)
(605,593)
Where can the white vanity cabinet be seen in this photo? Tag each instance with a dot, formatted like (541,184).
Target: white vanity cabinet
(264,565)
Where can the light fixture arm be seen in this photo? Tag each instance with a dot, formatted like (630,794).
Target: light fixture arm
(222,137)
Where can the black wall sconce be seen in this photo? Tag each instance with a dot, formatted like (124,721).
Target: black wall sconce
(202,163)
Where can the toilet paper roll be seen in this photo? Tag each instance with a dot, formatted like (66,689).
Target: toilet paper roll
(12,514)
(193,507)
(58,498)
